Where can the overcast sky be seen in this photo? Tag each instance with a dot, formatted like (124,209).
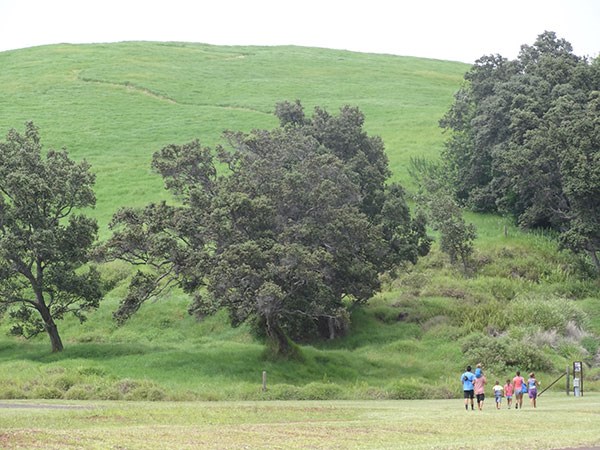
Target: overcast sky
(461,30)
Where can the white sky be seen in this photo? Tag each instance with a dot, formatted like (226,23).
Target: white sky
(460,30)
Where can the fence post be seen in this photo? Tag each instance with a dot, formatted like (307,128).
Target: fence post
(264,381)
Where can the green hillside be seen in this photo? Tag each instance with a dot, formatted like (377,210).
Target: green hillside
(116,104)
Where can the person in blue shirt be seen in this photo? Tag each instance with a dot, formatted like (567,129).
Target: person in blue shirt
(467,380)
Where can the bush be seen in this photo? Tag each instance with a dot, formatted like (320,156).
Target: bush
(64,382)
(282,392)
(363,391)
(137,390)
(504,353)
(11,392)
(80,392)
(46,392)
(408,389)
(322,391)
(525,356)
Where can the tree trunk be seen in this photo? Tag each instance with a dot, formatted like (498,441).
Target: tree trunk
(595,259)
(279,341)
(51,328)
(331,324)
(55,341)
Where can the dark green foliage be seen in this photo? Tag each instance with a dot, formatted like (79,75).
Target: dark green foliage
(293,235)
(43,243)
(525,141)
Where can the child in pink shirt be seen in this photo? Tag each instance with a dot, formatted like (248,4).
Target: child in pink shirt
(508,392)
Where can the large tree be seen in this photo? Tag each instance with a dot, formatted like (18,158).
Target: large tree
(521,130)
(288,228)
(43,241)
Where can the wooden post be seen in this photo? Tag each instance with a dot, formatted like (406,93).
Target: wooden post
(264,381)
(568,376)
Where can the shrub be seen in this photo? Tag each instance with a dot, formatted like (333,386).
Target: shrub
(109,393)
(126,385)
(363,391)
(46,392)
(64,382)
(11,392)
(80,392)
(145,390)
(491,352)
(503,353)
(524,356)
(407,389)
(137,390)
(282,392)
(322,391)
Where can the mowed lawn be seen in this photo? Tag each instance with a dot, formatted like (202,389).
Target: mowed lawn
(558,422)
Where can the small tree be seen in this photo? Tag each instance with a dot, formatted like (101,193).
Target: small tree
(443,212)
(43,243)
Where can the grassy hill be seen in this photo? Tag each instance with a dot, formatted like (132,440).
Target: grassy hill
(116,104)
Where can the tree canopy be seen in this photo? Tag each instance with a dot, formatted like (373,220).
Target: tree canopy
(525,140)
(43,242)
(287,229)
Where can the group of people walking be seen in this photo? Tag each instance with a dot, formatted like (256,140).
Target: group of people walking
(474,387)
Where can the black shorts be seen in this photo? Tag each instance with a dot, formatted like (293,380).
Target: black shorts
(480,397)
(469,394)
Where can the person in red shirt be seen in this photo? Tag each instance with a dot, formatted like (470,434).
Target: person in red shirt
(517,383)
(508,393)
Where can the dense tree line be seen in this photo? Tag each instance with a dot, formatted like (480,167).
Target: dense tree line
(287,229)
(525,141)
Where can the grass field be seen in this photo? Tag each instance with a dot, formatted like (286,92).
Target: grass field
(116,104)
(558,422)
